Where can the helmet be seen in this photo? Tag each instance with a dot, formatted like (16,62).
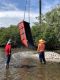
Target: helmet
(9,41)
(42,41)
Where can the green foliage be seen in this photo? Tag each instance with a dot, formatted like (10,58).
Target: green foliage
(10,32)
(49,29)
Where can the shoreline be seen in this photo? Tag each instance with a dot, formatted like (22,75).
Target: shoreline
(49,55)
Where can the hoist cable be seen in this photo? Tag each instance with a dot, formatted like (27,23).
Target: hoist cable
(27,8)
(29,12)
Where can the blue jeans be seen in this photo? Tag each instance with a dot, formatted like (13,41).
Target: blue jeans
(8,59)
(42,57)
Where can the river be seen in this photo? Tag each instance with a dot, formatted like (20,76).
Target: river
(23,68)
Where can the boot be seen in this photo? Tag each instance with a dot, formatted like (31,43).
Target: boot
(7,66)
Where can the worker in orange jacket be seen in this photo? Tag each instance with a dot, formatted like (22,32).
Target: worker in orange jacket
(8,52)
(41,49)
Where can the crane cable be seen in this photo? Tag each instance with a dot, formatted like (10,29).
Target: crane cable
(26,5)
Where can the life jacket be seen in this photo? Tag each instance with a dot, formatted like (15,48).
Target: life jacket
(41,47)
(7,49)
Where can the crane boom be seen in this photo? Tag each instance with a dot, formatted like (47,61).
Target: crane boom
(40,11)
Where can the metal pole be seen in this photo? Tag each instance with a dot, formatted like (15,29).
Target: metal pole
(39,11)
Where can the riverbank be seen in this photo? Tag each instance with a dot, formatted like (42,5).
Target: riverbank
(25,65)
(49,55)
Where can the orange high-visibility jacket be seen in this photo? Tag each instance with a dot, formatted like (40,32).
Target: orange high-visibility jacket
(41,47)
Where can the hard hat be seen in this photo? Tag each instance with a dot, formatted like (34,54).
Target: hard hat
(9,41)
(42,41)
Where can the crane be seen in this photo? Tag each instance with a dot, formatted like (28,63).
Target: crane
(25,31)
(40,1)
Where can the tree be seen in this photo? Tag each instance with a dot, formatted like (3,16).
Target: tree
(49,29)
(9,32)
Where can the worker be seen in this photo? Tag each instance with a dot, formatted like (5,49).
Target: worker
(41,50)
(8,52)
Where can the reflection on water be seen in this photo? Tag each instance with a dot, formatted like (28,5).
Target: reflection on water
(7,75)
(28,69)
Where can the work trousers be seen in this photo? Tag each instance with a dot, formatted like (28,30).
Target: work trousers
(42,57)
(8,59)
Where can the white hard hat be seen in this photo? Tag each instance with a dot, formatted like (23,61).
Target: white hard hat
(9,41)
(42,41)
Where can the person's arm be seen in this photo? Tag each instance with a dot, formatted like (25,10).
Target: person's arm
(38,48)
(9,49)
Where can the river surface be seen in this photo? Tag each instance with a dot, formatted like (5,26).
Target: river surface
(27,68)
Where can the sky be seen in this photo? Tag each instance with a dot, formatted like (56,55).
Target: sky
(12,11)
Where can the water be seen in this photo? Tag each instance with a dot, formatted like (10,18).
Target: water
(27,68)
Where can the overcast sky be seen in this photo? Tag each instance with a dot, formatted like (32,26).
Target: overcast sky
(12,11)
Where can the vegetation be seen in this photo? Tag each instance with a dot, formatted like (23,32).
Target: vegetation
(48,30)
(10,32)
